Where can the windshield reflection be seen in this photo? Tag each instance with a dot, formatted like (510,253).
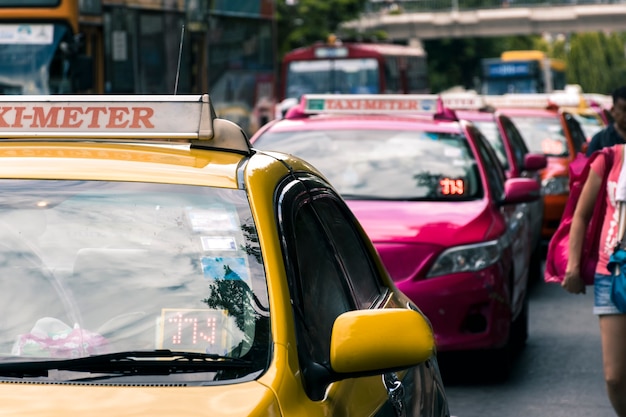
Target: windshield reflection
(99,267)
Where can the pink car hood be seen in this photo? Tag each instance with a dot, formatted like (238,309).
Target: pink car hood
(410,235)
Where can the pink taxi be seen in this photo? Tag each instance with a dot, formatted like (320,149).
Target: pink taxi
(431,194)
(552,130)
(514,155)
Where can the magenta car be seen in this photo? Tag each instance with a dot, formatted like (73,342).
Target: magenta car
(431,194)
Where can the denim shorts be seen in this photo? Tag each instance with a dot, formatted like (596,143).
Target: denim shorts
(602,295)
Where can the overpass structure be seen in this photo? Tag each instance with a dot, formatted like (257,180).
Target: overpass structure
(509,18)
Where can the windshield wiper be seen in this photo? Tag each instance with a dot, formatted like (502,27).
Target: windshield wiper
(140,362)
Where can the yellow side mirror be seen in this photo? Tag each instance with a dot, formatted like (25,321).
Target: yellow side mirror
(365,341)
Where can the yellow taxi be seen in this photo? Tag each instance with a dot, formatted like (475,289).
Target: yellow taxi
(153,263)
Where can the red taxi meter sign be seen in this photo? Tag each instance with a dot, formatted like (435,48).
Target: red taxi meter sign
(193,330)
(186,116)
(452,187)
(369,104)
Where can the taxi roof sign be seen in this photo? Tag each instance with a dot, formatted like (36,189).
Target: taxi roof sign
(147,117)
(466,100)
(537,101)
(370,103)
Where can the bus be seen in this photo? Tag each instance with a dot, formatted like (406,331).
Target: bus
(353,68)
(521,72)
(39,48)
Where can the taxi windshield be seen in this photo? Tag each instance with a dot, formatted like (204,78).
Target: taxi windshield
(386,164)
(94,268)
(542,134)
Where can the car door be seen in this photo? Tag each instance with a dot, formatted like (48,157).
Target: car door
(516,216)
(330,272)
(519,150)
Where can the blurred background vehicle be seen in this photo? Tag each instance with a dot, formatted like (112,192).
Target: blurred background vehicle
(550,130)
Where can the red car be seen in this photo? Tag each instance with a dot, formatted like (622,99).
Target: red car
(431,194)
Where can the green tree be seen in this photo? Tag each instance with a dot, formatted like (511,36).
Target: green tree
(596,61)
(310,21)
(457,61)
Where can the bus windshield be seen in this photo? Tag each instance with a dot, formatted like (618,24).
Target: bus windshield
(338,76)
(510,85)
(32,60)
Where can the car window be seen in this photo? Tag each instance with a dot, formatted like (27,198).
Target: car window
(493,169)
(318,285)
(518,147)
(361,275)
(543,134)
(386,164)
(578,136)
(490,130)
(589,123)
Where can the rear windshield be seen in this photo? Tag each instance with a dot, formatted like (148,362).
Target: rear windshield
(386,164)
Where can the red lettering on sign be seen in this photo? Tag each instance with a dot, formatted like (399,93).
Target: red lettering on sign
(143,115)
(116,117)
(19,111)
(95,115)
(70,118)
(76,117)
(3,111)
(40,119)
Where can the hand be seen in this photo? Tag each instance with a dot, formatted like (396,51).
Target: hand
(574,283)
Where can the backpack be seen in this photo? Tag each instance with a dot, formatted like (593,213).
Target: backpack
(556,257)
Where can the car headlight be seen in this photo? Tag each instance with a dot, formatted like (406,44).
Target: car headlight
(467,258)
(555,186)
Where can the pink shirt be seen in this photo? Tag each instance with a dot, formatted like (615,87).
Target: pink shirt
(608,236)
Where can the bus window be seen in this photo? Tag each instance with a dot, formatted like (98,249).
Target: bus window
(39,48)
(343,76)
(353,68)
(522,72)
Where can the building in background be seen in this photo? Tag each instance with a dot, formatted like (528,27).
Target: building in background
(228,49)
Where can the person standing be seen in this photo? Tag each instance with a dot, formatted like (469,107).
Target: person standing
(615,132)
(612,322)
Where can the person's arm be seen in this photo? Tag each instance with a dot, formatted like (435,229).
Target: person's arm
(573,282)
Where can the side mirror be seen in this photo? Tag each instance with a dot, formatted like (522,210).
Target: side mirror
(535,161)
(521,190)
(369,342)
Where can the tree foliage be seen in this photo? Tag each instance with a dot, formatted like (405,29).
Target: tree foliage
(595,60)
(310,21)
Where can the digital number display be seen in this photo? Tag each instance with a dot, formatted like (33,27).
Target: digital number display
(451,187)
(193,330)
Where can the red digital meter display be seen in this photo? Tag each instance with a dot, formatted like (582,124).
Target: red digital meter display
(193,330)
(452,187)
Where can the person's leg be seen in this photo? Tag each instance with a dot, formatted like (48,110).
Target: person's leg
(613,334)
